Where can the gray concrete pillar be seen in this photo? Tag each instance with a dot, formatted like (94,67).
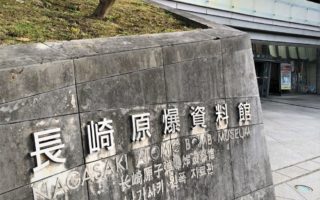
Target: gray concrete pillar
(318,71)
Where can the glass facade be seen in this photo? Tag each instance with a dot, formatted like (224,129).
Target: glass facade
(285,38)
(286,68)
(296,11)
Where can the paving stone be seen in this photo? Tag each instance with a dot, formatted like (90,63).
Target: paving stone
(286,192)
(292,171)
(310,180)
(309,165)
(278,152)
(263,194)
(26,80)
(279,178)
(317,160)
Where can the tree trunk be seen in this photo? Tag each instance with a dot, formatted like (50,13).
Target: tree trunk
(103,8)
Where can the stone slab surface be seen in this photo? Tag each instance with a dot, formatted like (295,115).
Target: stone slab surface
(71,182)
(250,163)
(16,164)
(98,46)
(123,91)
(309,165)
(97,67)
(184,82)
(18,194)
(50,104)
(284,191)
(25,80)
(190,51)
(17,55)
(168,39)
(92,81)
(255,107)
(292,171)
(231,60)
(312,181)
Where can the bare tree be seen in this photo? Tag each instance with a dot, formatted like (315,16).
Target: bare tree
(103,8)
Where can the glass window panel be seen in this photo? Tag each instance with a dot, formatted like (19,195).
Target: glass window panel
(302,53)
(293,52)
(301,11)
(265,50)
(311,53)
(282,52)
(311,77)
(254,49)
(258,50)
(272,50)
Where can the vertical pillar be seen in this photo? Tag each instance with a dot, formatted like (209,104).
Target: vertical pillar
(269,77)
(318,71)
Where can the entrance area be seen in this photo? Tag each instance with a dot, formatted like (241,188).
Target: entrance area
(285,69)
(268,77)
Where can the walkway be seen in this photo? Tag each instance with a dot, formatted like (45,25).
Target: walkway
(292,127)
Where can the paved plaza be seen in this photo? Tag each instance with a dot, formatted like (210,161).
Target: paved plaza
(292,127)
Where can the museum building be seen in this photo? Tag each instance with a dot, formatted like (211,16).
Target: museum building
(285,37)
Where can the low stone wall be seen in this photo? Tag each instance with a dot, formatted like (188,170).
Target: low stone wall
(165,116)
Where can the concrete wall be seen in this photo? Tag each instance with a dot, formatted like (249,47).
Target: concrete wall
(318,71)
(67,84)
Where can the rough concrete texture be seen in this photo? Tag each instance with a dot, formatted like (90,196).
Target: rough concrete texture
(68,84)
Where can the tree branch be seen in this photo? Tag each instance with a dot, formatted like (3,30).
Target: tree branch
(103,8)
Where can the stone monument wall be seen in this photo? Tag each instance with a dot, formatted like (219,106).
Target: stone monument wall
(165,116)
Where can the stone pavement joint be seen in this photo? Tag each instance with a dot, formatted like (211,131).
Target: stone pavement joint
(292,131)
